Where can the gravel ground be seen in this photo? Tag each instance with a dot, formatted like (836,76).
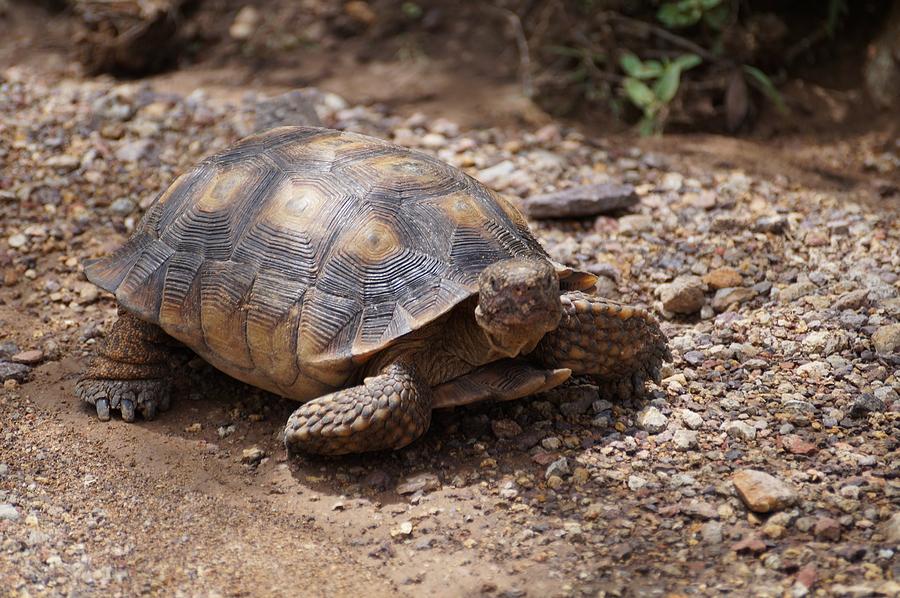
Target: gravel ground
(765,463)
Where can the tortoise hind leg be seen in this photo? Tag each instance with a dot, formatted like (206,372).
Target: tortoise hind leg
(130,372)
(620,346)
(387,411)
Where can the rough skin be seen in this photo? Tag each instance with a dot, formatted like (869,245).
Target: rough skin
(620,346)
(130,372)
(385,412)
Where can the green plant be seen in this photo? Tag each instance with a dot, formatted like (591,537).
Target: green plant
(761,81)
(650,85)
(411,10)
(685,13)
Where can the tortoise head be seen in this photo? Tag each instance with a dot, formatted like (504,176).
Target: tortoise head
(518,303)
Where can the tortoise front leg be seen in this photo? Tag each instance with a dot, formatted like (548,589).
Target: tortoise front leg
(618,345)
(130,372)
(503,380)
(387,411)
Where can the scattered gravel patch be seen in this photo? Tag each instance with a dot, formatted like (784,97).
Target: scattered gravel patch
(782,305)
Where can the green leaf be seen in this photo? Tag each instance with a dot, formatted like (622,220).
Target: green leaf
(710,4)
(679,14)
(687,61)
(631,64)
(667,86)
(633,67)
(638,92)
(762,82)
(654,67)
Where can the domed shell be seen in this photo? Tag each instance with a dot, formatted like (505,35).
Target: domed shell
(296,254)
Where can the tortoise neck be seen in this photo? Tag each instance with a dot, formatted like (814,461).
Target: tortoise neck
(446,349)
(466,339)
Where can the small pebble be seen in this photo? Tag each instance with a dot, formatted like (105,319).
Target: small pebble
(691,419)
(559,468)
(9,512)
(685,439)
(252,455)
(739,429)
(652,420)
(763,493)
(32,357)
(684,295)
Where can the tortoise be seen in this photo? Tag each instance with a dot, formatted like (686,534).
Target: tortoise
(372,282)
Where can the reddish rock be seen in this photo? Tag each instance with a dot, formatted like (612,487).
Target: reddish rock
(722,278)
(33,357)
(797,446)
(827,528)
(750,543)
(763,493)
(807,575)
(543,458)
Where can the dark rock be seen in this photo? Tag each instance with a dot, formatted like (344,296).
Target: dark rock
(865,404)
(694,357)
(8,349)
(13,371)
(528,439)
(771,224)
(575,202)
(852,552)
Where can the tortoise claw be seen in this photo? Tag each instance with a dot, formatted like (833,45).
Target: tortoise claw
(102,406)
(148,410)
(128,396)
(127,409)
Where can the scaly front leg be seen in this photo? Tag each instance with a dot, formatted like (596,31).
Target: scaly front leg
(618,345)
(387,411)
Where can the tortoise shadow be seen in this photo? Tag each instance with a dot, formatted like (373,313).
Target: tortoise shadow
(466,445)
(463,446)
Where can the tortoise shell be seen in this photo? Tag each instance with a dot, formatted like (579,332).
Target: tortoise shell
(292,257)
